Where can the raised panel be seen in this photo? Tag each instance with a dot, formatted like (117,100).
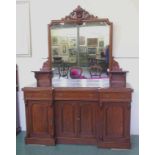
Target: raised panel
(39,122)
(68,119)
(87,125)
(114,121)
(65,118)
(40,119)
(114,132)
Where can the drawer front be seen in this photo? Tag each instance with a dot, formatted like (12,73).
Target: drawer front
(115,96)
(76,95)
(38,95)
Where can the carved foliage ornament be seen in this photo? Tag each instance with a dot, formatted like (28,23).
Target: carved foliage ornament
(79,14)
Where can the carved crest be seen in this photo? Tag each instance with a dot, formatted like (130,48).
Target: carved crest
(115,66)
(46,66)
(79,14)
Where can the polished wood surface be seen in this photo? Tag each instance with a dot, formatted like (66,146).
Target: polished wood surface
(117,78)
(39,116)
(115,117)
(44,78)
(98,116)
(80,112)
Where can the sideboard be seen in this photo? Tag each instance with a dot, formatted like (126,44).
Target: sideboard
(79,113)
(97,116)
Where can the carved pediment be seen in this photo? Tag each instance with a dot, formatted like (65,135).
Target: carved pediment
(115,66)
(46,66)
(79,14)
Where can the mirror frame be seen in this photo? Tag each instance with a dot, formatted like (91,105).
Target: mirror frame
(79,16)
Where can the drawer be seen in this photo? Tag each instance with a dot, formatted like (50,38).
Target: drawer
(38,95)
(76,95)
(115,96)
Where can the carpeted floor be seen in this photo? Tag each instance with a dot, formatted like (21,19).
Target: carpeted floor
(63,149)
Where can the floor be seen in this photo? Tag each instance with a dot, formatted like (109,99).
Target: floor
(62,149)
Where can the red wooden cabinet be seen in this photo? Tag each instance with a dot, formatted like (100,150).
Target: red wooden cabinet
(80,116)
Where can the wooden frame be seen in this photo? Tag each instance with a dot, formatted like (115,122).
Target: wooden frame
(80,16)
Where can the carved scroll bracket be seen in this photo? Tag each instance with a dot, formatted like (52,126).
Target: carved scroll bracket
(117,75)
(46,66)
(115,66)
(79,14)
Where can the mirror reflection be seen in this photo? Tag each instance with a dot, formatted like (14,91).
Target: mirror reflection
(80,51)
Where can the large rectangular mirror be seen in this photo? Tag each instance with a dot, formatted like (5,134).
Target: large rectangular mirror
(80,48)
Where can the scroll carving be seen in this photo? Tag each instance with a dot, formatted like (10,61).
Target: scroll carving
(115,66)
(46,66)
(79,14)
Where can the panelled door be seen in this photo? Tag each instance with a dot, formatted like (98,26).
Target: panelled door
(39,119)
(87,119)
(75,119)
(65,117)
(115,123)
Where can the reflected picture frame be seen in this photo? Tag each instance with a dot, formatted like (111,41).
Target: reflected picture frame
(92,51)
(92,42)
(56,51)
(101,43)
(55,41)
(64,49)
(82,41)
(72,42)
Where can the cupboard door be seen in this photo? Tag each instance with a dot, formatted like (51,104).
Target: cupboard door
(39,119)
(87,119)
(115,129)
(114,121)
(65,114)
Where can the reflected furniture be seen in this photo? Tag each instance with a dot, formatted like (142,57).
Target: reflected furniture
(57,61)
(95,71)
(92,61)
(76,72)
(63,70)
(79,111)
